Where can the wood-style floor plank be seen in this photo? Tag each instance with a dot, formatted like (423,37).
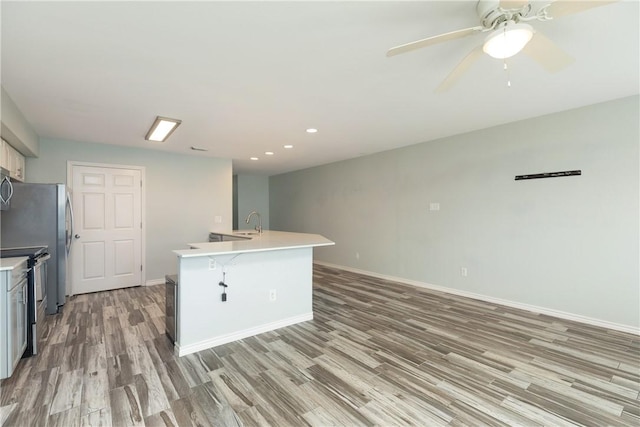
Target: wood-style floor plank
(377,353)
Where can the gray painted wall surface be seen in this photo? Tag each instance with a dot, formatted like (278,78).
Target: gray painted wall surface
(567,244)
(235,201)
(183,193)
(253,195)
(15,129)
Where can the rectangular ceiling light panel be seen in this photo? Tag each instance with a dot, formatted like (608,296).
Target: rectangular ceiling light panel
(161,129)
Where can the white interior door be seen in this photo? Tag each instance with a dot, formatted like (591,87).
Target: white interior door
(107,243)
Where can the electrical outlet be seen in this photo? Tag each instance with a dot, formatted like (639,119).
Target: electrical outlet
(357,255)
(212,264)
(463,271)
(273,295)
(217,219)
(434,206)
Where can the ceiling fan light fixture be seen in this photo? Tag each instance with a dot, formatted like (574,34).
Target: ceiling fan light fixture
(507,40)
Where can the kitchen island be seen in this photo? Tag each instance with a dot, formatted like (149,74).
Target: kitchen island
(268,280)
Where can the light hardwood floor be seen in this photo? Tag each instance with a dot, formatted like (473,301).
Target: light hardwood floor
(377,353)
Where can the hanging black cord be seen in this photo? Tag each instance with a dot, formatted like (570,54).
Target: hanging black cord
(224,287)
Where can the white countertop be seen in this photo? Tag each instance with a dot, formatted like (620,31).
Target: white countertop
(11,263)
(267,241)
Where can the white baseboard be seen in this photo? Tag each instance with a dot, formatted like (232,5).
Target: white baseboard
(152,282)
(514,304)
(224,339)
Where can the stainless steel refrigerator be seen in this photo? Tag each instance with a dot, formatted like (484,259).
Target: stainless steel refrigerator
(41,215)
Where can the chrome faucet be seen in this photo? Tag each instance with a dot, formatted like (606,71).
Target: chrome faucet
(258,227)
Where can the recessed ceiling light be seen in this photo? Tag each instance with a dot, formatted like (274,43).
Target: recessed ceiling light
(269,153)
(312,130)
(288,146)
(161,128)
(254,158)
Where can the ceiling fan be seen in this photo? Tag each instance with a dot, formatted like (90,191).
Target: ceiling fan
(505,21)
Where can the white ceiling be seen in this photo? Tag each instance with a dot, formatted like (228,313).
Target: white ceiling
(247,77)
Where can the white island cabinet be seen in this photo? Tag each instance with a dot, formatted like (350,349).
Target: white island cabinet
(268,280)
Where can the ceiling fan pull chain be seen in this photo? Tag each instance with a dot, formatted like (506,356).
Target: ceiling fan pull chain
(504,29)
(507,71)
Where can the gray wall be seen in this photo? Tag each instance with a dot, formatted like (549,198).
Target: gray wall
(253,195)
(15,129)
(235,201)
(183,193)
(567,244)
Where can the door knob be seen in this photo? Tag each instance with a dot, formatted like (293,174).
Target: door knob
(77,236)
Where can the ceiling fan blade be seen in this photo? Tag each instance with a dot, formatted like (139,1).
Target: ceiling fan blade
(513,4)
(561,8)
(432,40)
(546,53)
(460,69)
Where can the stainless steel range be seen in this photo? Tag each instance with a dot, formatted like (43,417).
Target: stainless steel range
(36,289)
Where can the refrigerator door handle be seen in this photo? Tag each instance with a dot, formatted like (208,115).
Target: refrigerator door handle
(10,189)
(70,231)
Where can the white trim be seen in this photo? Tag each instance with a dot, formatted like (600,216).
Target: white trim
(152,282)
(143,214)
(513,304)
(224,339)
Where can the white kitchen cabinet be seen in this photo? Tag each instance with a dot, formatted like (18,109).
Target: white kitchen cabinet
(17,314)
(13,161)
(5,158)
(13,316)
(18,166)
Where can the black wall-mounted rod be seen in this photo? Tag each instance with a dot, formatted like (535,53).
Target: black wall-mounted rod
(548,175)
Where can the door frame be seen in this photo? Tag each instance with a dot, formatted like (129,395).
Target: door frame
(70,165)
